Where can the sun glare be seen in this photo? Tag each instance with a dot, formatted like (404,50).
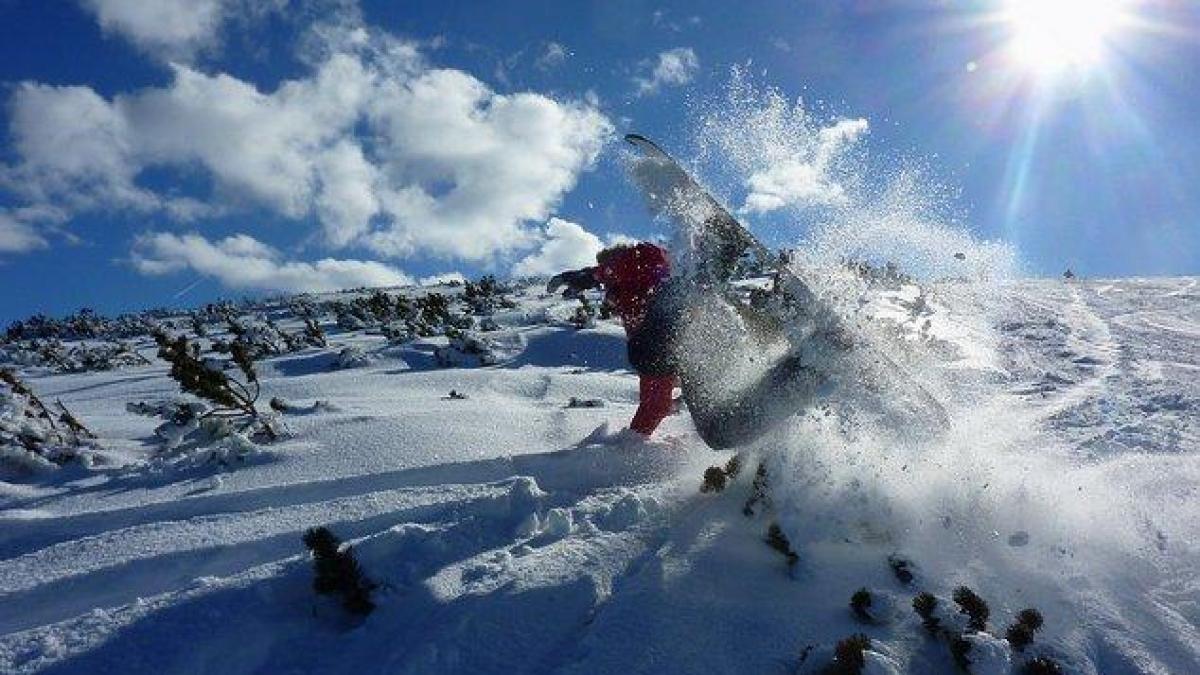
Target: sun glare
(1049,36)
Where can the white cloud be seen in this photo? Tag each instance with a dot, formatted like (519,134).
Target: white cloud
(242,262)
(384,150)
(565,246)
(804,179)
(173,29)
(673,67)
(17,236)
(468,167)
(662,19)
(553,54)
(74,148)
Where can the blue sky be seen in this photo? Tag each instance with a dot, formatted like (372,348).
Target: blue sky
(170,152)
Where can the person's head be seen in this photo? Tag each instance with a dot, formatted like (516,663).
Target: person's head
(605,256)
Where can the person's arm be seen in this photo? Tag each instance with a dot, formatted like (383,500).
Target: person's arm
(575,281)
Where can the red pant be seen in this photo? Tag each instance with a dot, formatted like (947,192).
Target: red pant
(655,402)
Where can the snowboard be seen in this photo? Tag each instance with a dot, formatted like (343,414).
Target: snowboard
(716,239)
(738,385)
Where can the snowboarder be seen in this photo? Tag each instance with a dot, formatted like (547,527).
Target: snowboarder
(684,331)
(631,275)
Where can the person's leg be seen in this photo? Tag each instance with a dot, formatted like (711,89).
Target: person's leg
(726,422)
(655,402)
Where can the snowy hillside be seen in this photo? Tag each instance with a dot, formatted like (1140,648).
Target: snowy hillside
(506,532)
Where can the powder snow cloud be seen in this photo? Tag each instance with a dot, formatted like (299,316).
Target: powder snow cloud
(383,150)
(804,179)
(240,261)
(671,68)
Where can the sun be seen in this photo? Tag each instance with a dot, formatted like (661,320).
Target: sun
(1052,36)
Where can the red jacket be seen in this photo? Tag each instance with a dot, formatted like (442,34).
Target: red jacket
(630,277)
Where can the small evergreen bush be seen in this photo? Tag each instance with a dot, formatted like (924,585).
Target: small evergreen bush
(32,437)
(758,492)
(925,604)
(973,606)
(848,657)
(337,572)
(233,398)
(860,604)
(777,540)
(1020,633)
(714,480)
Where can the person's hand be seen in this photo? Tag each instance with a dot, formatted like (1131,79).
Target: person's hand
(576,282)
(555,282)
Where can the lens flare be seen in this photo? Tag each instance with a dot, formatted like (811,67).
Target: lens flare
(1050,36)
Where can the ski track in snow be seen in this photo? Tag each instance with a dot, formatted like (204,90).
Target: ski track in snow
(503,542)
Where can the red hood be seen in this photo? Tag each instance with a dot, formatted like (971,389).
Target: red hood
(630,277)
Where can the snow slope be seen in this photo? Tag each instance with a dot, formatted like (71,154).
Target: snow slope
(509,536)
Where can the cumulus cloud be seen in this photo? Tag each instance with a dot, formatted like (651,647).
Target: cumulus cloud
(673,67)
(240,261)
(467,168)
(804,179)
(565,245)
(74,147)
(174,29)
(384,150)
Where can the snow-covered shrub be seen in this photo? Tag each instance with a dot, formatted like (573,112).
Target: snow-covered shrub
(964,631)
(575,402)
(314,334)
(233,399)
(485,296)
(79,358)
(585,314)
(348,318)
(32,437)
(851,656)
(466,350)
(1020,633)
(777,540)
(433,309)
(351,357)
(337,572)
(872,608)
(84,324)
(714,480)
(381,305)
(188,437)
(759,497)
(973,606)
(860,604)
(399,332)
(261,338)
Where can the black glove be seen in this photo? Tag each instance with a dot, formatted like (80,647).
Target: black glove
(576,282)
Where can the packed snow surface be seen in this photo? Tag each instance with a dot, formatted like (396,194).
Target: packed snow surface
(509,531)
